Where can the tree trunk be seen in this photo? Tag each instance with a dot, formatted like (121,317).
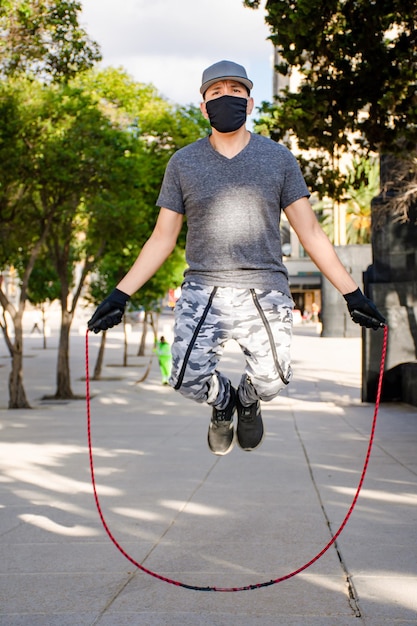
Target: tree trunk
(17,395)
(43,326)
(100,357)
(63,377)
(155,324)
(142,345)
(125,343)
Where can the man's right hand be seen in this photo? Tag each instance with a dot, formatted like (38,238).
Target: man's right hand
(110,312)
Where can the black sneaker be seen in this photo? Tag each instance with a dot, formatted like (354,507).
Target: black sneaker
(221,434)
(250,428)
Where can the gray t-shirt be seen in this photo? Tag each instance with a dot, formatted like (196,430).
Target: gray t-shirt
(233,208)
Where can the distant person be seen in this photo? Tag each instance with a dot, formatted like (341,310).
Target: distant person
(163,351)
(36,323)
(232,187)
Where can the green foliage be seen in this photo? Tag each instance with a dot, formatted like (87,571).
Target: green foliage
(358,65)
(157,130)
(81,163)
(43,38)
(82,156)
(362,185)
(43,283)
(78,164)
(64,153)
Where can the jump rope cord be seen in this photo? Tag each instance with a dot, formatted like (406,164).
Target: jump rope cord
(257,585)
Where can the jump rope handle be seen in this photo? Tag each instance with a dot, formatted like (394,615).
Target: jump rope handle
(370,322)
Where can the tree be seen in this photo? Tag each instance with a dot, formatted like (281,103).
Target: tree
(357,62)
(362,185)
(23,225)
(63,151)
(43,38)
(160,129)
(40,38)
(84,179)
(89,166)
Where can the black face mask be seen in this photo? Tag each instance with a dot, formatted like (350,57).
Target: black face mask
(227,113)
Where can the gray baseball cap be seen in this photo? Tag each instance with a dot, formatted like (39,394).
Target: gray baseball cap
(224,70)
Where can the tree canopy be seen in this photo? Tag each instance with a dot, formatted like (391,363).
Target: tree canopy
(44,38)
(82,162)
(357,64)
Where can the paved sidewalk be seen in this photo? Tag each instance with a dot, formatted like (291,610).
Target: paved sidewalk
(232,521)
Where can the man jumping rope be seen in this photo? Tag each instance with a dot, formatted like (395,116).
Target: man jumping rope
(232,187)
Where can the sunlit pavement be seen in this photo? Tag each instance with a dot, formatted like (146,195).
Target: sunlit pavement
(198,519)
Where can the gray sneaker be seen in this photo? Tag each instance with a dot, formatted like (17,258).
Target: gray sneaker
(250,428)
(221,434)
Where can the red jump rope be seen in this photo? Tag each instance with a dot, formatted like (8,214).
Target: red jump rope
(257,585)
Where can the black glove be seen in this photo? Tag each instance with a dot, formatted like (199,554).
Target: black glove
(109,312)
(363,311)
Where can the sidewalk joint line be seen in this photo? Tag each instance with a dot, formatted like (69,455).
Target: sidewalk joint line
(181,510)
(352,595)
(114,598)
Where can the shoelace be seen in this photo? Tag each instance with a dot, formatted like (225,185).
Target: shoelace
(221,416)
(246,412)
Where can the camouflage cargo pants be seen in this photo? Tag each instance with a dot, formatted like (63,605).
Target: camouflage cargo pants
(207,317)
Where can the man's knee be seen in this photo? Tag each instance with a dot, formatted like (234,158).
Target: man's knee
(263,388)
(267,394)
(212,388)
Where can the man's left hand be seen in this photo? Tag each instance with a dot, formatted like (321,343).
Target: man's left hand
(363,311)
